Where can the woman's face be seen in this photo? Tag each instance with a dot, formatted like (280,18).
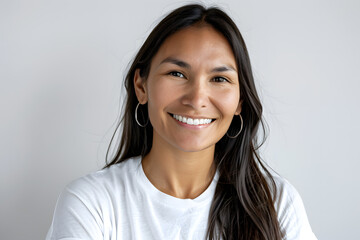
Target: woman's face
(192,89)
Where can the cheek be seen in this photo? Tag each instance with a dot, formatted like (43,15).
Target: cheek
(227,102)
(160,95)
(160,92)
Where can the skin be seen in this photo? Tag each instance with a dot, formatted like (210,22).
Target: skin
(193,74)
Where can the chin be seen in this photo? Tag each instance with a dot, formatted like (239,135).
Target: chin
(193,147)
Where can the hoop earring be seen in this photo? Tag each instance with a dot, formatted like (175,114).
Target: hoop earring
(136,117)
(240,129)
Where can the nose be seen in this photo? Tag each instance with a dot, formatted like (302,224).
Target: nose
(196,95)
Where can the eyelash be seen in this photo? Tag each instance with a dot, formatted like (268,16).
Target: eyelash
(176,74)
(223,79)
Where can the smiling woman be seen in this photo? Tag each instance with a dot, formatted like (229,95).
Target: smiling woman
(187,165)
(193,76)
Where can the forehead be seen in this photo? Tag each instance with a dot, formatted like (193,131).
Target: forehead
(197,45)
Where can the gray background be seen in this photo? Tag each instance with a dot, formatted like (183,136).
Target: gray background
(61,70)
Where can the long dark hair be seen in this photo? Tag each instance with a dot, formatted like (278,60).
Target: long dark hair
(243,204)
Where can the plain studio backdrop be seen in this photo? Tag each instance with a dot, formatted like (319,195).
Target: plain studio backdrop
(62,65)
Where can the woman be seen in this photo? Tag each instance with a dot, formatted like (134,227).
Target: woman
(187,166)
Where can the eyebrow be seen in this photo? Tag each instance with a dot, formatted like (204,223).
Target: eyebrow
(183,64)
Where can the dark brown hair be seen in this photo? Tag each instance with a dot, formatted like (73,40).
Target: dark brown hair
(243,204)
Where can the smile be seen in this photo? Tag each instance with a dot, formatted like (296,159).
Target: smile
(192,121)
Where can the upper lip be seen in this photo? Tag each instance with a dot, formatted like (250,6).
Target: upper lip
(193,117)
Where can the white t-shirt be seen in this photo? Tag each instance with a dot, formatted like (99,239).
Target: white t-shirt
(121,203)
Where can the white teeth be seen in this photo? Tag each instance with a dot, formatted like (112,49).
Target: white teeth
(191,121)
(207,121)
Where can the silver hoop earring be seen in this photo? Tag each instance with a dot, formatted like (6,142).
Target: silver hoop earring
(136,117)
(240,129)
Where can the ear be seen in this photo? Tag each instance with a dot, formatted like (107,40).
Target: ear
(238,109)
(140,87)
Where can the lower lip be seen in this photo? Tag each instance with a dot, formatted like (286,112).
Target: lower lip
(200,126)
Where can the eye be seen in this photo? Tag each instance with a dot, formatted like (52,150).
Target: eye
(220,79)
(176,74)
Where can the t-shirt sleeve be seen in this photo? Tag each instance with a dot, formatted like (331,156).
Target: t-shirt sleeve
(291,213)
(76,214)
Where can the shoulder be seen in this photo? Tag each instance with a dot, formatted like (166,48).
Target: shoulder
(86,205)
(290,210)
(106,180)
(106,177)
(285,193)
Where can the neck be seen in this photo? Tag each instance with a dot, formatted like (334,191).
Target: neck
(178,173)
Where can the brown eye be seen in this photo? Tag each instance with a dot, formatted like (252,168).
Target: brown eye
(176,74)
(220,79)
